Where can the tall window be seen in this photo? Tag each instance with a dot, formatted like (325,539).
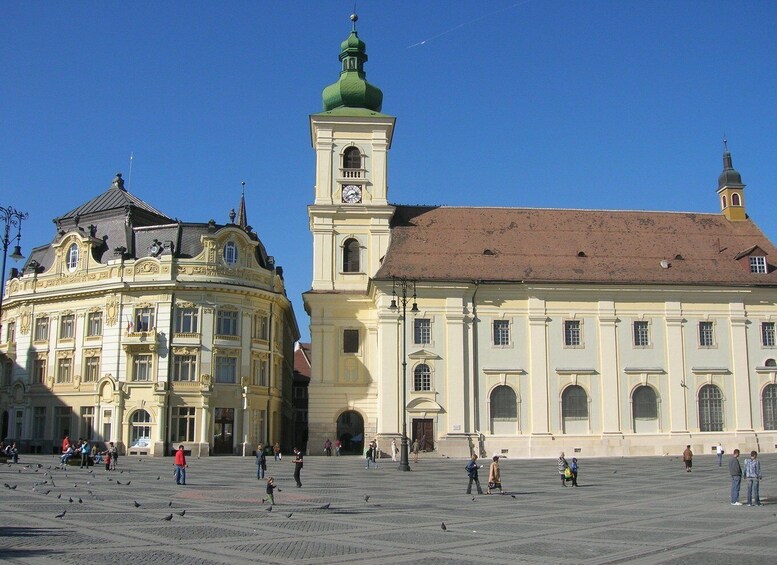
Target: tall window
(767,334)
(261,327)
(184,368)
(574,403)
(72,258)
(186,321)
(10,332)
(182,424)
(572,333)
(644,403)
(501,332)
(422,331)
(6,372)
(39,370)
(757,264)
(141,367)
(94,324)
(67,326)
(92,365)
(227,322)
(503,403)
(350,341)
(641,334)
(710,409)
(87,422)
(64,370)
(140,429)
(351,250)
(706,334)
(261,371)
(41,329)
(144,319)
(769,402)
(38,422)
(230,253)
(352,158)
(422,378)
(226,369)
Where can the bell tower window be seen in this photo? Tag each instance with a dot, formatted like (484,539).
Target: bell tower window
(736,200)
(351,250)
(352,158)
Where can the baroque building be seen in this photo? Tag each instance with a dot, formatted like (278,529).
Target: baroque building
(534,330)
(141,329)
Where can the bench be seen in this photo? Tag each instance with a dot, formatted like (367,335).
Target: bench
(75,461)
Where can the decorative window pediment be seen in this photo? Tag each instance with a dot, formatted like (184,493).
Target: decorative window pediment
(423,354)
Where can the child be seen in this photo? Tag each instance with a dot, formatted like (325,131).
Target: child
(574,471)
(108,460)
(270,488)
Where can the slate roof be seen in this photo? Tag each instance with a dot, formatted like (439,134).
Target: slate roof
(572,246)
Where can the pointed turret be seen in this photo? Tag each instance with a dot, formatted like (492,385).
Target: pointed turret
(242,219)
(731,189)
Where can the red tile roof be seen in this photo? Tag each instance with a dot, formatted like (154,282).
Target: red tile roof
(302,360)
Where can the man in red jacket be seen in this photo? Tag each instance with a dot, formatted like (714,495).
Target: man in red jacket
(180,466)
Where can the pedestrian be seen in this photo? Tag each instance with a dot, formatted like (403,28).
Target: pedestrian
(753,478)
(472,472)
(494,476)
(114,451)
(394,449)
(416,447)
(688,458)
(735,470)
(65,443)
(261,461)
(574,468)
(338,445)
(328,447)
(368,456)
(297,466)
(84,455)
(276,449)
(13,453)
(719,451)
(375,452)
(107,459)
(180,466)
(563,469)
(270,488)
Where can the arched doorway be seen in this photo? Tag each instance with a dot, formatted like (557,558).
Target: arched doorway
(140,430)
(350,432)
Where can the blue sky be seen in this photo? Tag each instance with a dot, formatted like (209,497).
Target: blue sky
(607,105)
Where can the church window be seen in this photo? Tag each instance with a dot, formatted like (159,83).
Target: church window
(769,402)
(574,403)
(72,258)
(573,335)
(351,250)
(736,200)
(710,409)
(757,264)
(706,334)
(767,334)
(422,331)
(644,403)
(352,158)
(724,201)
(503,403)
(422,378)
(641,333)
(501,332)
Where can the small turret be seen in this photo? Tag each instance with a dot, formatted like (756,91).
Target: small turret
(730,189)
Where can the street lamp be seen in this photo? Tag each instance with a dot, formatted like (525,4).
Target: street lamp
(403,285)
(10,217)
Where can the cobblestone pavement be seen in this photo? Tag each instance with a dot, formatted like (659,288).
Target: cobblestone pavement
(643,510)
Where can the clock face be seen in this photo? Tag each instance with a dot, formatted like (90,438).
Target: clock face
(352,194)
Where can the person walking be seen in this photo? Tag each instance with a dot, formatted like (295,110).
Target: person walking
(297,466)
(472,472)
(261,462)
(416,447)
(368,456)
(735,470)
(394,450)
(494,476)
(180,466)
(328,447)
(270,488)
(84,454)
(562,469)
(688,458)
(338,445)
(276,449)
(753,478)
(719,452)
(375,452)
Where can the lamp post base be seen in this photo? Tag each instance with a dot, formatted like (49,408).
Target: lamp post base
(404,463)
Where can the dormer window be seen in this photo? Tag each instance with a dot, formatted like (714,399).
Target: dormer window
(757,264)
(230,253)
(72,258)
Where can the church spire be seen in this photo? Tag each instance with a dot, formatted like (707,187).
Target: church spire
(242,219)
(731,189)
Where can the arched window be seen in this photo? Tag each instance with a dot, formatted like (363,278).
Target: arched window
(72,257)
(351,251)
(574,410)
(503,403)
(352,158)
(769,402)
(644,403)
(735,200)
(770,363)
(710,409)
(422,377)
(230,253)
(724,201)
(140,429)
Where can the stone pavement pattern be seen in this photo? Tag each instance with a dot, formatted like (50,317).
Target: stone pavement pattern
(636,510)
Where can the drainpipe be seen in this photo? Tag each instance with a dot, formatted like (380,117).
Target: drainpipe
(475,364)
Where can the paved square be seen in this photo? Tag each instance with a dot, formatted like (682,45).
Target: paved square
(635,510)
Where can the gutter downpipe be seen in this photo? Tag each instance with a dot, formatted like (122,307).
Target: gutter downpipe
(475,380)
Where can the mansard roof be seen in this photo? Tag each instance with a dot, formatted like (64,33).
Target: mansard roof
(532,245)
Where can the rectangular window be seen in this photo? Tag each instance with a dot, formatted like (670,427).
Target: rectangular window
(757,264)
(501,332)
(184,368)
(107,425)
(261,371)
(350,341)
(67,326)
(144,319)
(87,422)
(706,334)
(39,370)
(422,331)
(92,366)
(64,370)
(186,321)
(226,322)
(10,333)
(767,334)
(641,334)
(38,423)
(226,369)
(42,329)
(94,324)
(141,368)
(182,425)
(61,421)
(572,333)
(6,372)
(261,327)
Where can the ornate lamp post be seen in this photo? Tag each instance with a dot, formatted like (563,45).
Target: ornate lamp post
(403,285)
(10,217)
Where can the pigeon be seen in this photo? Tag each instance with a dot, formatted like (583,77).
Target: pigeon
(48,491)
(169,504)
(269,509)
(325,506)
(289,514)
(157,478)
(473,498)
(70,499)
(59,495)
(75,485)
(181,513)
(118,482)
(443,527)
(512,495)
(62,515)
(279,490)
(366,498)
(168,517)
(80,501)
(128,482)
(136,503)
